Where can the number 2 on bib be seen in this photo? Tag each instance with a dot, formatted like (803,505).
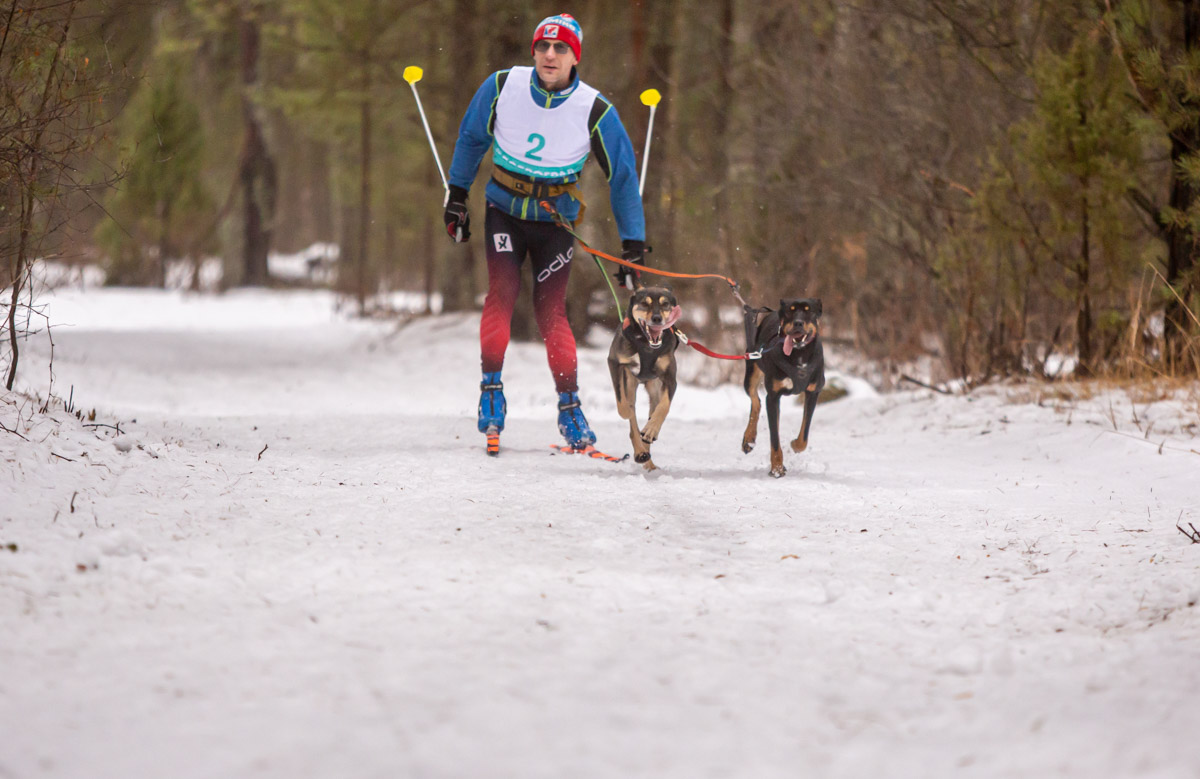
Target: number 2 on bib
(538,143)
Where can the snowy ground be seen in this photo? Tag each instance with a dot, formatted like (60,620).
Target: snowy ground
(295,561)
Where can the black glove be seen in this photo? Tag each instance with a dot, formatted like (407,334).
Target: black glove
(631,251)
(458,221)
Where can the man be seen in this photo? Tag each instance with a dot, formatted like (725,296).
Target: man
(541,123)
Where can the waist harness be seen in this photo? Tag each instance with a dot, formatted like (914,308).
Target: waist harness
(523,187)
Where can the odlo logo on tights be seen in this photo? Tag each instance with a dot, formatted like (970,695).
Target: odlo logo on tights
(560,261)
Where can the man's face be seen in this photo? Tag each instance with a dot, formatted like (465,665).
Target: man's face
(553,61)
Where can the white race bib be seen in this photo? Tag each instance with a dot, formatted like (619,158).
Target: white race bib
(537,141)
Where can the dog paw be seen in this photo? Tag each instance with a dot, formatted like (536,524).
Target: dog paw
(778,471)
(799,445)
(747,446)
(642,457)
(649,465)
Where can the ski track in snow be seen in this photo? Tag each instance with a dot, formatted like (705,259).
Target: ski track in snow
(940,586)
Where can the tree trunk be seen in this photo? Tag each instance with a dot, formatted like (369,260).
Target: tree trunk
(347,236)
(429,246)
(256,167)
(1083,305)
(737,194)
(675,184)
(1181,241)
(364,196)
(19,273)
(164,227)
(458,282)
(722,132)
(639,76)
(1181,251)
(428,237)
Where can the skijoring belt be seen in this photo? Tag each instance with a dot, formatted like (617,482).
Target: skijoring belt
(537,190)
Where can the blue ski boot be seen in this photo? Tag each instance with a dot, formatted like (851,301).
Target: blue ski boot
(571,422)
(491,403)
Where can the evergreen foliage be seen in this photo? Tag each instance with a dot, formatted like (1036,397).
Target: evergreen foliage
(1160,43)
(1055,242)
(160,205)
(993,184)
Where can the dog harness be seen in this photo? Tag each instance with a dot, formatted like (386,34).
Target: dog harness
(647,354)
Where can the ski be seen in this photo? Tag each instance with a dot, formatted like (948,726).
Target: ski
(590,451)
(493,442)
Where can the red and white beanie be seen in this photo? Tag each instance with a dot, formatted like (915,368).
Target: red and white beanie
(561,27)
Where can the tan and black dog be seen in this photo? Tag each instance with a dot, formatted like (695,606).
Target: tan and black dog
(792,361)
(643,352)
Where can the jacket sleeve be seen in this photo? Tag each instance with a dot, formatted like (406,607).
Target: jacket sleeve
(475,133)
(614,152)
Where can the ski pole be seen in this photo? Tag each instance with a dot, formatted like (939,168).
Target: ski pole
(413,74)
(650,97)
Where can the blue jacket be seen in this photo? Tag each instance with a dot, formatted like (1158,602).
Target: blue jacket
(610,146)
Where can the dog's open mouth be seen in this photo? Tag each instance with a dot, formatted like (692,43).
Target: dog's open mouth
(654,332)
(806,336)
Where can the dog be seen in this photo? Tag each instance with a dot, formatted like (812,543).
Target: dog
(792,361)
(643,352)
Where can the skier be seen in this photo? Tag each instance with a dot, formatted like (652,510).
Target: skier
(541,123)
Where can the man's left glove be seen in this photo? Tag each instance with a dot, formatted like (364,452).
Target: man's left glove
(458,221)
(635,252)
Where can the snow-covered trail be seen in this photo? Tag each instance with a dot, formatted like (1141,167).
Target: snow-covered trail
(305,566)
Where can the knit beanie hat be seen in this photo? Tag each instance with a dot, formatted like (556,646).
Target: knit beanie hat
(561,27)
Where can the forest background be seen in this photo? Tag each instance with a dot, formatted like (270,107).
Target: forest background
(997,187)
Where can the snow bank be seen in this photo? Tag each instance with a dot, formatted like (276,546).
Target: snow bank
(293,558)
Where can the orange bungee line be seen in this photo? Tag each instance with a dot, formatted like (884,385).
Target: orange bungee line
(562,222)
(733,285)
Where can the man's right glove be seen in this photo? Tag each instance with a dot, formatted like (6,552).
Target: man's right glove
(635,252)
(458,221)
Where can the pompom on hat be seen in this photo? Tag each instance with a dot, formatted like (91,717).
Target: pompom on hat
(560,27)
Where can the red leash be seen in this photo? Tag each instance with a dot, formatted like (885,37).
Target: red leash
(755,355)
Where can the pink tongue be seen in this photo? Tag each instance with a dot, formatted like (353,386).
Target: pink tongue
(674,317)
(655,333)
(789,343)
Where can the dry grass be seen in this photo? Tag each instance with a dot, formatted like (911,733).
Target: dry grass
(1142,352)
(1154,409)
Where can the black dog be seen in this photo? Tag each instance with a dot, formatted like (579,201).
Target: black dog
(643,352)
(792,361)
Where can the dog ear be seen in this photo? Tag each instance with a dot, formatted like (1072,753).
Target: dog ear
(817,306)
(782,305)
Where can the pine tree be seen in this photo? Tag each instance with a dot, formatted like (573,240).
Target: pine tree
(1160,44)
(1056,192)
(161,199)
